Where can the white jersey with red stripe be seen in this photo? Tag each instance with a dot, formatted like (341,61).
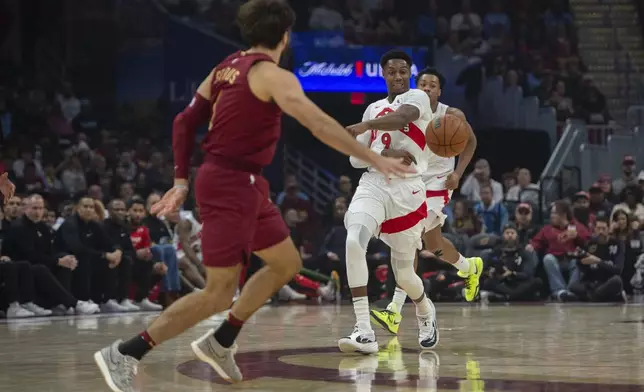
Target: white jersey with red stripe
(194,240)
(434,177)
(397,206)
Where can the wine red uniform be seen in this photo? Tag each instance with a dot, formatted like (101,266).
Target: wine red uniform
(233,196)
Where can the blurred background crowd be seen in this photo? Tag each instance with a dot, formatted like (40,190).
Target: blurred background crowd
(89,161)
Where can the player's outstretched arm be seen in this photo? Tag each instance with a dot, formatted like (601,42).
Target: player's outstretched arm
(465,157)
(415,105)
(284,88)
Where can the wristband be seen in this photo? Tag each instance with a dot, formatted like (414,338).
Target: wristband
(181,186)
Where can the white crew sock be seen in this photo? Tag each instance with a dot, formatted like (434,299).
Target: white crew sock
(425,308)
(462,264)
(361,309)
(399,299)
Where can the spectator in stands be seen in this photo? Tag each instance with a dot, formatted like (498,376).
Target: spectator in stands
(140,272)
(628,175)
(465,222)
(126,169)
(557,240)
(331,255)
(592,106)
(525,190)
(496,17)
(560,101)
(598,204)
(31,182)
(345,188)
(70,106)
(26,157)
(600,265)
(126,191)
(493,215)
(623,230)
(52,184)
(97,258)
(526,229)
(630,198)
(426,22)
(73,176)
(161,230)
(471,187)
(147,251)
(327,16)
(155,180)
(31,240)
(607,188)
(466,19)
(389,25)
(509,180)
(291,192)
(50,219)
(511,271)
(581,210)
(12,211)
(95,192)
(640,181)
(188,232)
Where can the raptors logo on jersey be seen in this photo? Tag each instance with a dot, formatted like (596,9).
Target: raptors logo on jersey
(411,138)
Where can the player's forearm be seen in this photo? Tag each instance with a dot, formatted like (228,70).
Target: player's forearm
(184,129)
(391,122)
(333,135)
(466,156)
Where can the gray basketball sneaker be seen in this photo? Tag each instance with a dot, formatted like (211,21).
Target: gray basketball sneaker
(222,359)
(118,370)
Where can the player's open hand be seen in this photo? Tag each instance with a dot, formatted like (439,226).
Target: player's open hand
(171,201)
(407,157)
(6,187)
(391,166)
(358,129)
(452,181)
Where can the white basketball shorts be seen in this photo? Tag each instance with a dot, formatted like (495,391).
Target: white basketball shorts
(398,207)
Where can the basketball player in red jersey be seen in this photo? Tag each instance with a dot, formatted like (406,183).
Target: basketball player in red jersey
(243,98)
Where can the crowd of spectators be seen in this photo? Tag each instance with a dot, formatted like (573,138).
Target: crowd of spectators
(531,44)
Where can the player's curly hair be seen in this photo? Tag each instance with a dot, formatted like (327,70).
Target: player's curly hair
(431,71)
(264,22)
(395,54)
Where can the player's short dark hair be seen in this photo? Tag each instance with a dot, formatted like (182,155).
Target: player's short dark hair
(431,71)
(134,201)
(395,54)
(264,22)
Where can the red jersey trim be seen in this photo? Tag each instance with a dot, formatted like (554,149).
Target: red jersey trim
(442,193)
(405,222)
(413,132)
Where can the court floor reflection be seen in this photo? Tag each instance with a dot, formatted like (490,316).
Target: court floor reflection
(534,348)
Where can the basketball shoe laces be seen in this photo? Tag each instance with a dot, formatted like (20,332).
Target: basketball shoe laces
(391,316)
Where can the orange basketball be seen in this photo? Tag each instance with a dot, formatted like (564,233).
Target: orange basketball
(447,136)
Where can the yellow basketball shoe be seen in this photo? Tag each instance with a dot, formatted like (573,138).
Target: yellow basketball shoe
(389,318)
(472,278)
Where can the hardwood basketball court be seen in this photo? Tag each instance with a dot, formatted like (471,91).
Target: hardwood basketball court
(558,348)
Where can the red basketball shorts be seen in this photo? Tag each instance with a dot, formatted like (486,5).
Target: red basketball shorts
(237,214)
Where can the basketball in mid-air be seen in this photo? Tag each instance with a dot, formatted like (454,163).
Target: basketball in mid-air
(447,135)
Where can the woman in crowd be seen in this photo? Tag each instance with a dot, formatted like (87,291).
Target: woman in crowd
(626,228)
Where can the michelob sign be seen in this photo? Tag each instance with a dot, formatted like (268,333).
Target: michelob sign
(347,68)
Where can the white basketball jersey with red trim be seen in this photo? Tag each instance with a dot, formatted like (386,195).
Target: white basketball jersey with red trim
(412,137)
(438,168)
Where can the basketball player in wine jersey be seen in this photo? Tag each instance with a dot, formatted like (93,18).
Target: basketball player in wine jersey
(395,209)
(242,98)
(440,178)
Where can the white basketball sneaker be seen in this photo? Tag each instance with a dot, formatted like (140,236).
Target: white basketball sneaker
(360,341)
(427,332)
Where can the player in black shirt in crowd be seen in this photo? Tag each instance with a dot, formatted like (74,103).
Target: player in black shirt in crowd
(141,272)
(98,259)
(601,265)
(511,271)
(31,240)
